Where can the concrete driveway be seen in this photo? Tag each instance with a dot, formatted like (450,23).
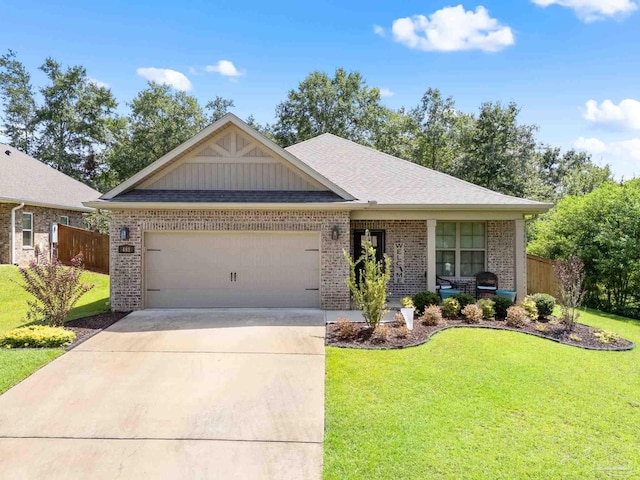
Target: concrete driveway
(211,394)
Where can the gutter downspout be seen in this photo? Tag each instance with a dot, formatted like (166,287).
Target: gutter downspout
(13,232)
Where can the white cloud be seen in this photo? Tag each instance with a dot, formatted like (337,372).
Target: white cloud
(593,10)
(623,156)
(98,83)
(385,92)
(166,76)
(626,114)
(224,68)
(378,30)
(452,29)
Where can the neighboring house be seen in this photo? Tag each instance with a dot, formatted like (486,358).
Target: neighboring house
(32,197)
(230,219)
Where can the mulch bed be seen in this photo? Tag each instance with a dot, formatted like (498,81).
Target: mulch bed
(87,327)
(421,334)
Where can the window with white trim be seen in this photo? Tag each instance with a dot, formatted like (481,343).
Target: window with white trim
(27,230)
(64,220)
(460,248)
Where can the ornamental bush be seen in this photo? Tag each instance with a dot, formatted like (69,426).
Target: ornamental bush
(432,316)
(381,334)
(463,299)
(347,330)
(545,304)
(421,300)
(529,306)
(451,307)
(37,336)
(488,308)
(55,288)
(472,313)
(501,306)
(517,317)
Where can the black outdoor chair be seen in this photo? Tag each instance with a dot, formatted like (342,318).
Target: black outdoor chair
(486,283)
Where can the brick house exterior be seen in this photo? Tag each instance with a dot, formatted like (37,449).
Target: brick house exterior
(229,178)
(42,220)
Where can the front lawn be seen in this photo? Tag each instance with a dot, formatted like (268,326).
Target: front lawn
(485,404)
(15,365)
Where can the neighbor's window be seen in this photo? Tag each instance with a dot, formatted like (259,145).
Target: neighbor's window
(64,220)
(27,230)
(460,248)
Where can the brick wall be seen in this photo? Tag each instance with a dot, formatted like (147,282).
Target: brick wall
(42,219)
(126,269)
(501,244)
(412,234)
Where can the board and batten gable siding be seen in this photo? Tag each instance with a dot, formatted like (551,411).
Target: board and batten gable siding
(127,268)
(231,161)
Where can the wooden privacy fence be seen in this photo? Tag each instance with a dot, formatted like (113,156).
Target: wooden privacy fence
(541,277)
(93,246)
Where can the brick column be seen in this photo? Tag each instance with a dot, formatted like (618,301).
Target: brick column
(431,255)
(521,259)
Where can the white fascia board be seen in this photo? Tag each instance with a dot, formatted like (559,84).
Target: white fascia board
(56,206)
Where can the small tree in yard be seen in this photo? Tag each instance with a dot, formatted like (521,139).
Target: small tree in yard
(55,288)
(570,273)
(370,289)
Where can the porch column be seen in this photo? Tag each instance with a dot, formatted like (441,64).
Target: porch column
(521,259)
(431,255)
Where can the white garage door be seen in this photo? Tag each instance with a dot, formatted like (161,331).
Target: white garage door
(232,269)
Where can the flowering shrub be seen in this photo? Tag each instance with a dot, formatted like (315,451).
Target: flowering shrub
(55,289)
(37,336)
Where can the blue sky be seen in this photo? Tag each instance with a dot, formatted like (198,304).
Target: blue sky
(549,56)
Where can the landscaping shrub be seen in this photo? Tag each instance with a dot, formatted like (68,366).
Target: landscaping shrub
(545,304)
(398,320)
(421,300)
(370,290)
(517,317)
(380,334)
(488,307)
(432,316)
(37,336)
(541,327)
(472,313)
(575,337)
(463,299)
(451,307)
(605,336)
(403,331)
(407,302)
(55,288)
(529,306)
(570,273)
(501,305)
(347,330)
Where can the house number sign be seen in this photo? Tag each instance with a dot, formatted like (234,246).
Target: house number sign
(126,249)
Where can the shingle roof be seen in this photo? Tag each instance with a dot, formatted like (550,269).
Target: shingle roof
(226,196)
(25,179)
(370,175)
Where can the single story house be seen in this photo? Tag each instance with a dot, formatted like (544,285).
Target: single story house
(230,219)
(32,197)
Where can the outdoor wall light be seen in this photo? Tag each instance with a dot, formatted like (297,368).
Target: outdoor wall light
(124,233)
(335,232)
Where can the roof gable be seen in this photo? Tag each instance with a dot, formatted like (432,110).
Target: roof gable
(24,179)
(228,155)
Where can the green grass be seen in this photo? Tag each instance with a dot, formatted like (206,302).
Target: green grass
(484,404)
(15,365)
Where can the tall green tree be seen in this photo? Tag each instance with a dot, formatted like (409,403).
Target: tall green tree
(75,121)
(497,151)
(436,137)
(556,175)
(218,108)
(19,122)
(343,105)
